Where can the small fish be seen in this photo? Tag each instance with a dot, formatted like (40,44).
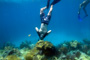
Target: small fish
(29,35)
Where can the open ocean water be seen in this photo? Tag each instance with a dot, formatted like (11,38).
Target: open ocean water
(18,19)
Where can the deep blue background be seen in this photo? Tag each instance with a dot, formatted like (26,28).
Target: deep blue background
(18,19)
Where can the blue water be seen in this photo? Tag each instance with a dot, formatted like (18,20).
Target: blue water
(19,18)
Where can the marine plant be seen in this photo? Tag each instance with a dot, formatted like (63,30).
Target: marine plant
(25,44)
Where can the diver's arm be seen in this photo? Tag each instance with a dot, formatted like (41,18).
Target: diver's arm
(36,29)
(49,31)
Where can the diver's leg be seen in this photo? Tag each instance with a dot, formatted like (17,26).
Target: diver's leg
(42,9)
(80,8)
(85,7)
(85,11)
(50,11)
(49,15)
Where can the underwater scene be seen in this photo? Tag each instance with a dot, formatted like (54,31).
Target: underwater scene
(44,29)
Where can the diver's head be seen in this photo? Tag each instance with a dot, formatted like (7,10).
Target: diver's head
(42,36)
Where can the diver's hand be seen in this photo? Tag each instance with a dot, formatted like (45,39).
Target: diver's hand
(49,31)
(36,29)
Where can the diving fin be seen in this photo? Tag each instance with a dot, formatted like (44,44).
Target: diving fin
(85,16)
(80,19)
(48,2)
(54,2)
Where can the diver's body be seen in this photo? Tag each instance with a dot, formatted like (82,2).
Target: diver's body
(42,32)
(84,4)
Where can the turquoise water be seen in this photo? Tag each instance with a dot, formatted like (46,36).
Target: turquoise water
(19,18)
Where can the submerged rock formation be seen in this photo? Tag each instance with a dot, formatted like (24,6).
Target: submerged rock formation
(41,50)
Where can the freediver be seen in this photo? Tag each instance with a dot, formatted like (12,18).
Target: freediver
(83,4)
(42,32)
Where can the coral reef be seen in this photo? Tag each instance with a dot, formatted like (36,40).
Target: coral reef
(88,52)
(26,44)
(11,52)
(9,49)
(63,49)
(44,50)
(70,55)
(83,57)
(8,46)
(74,44)
(85,48)
(31,54)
